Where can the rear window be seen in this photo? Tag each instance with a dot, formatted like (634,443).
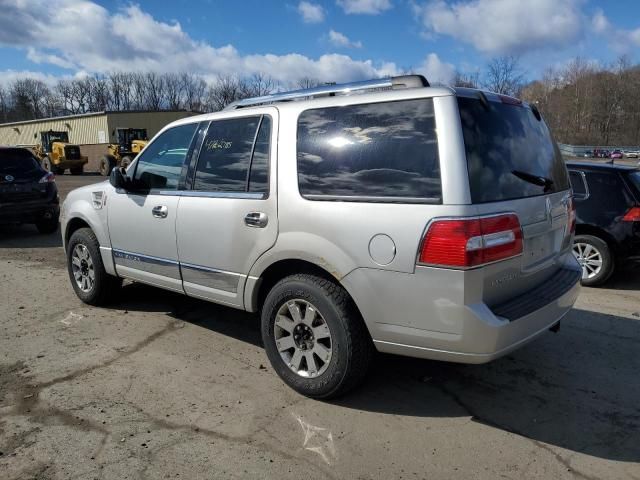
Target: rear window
(506,148)
(634,178)
(380,152)
(17,161)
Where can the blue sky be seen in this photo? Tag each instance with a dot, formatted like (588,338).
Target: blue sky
(328,40)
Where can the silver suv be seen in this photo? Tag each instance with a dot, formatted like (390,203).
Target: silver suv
(382,215)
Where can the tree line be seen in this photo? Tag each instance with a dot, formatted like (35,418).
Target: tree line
(583,102)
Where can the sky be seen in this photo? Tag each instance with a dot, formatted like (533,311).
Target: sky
(328,40)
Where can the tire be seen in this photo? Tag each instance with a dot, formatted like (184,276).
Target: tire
(595,258)
(125,162)
(46,164)
(83,245)
(47,225)
(348,348)
(107,163)
(77,171)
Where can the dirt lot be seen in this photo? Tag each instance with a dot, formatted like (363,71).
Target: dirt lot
(163,386)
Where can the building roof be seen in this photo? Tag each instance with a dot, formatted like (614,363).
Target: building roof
(90,114)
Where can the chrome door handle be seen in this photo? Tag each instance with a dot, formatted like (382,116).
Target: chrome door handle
(256,219)
(161,211)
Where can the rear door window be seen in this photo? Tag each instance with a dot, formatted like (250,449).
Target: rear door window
(509,152)
(234,156)
(381,152)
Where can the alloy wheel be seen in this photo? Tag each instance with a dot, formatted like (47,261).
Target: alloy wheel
(303,338)
(589,258)
(82,267)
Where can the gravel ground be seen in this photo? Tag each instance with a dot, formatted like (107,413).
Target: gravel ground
(163,386)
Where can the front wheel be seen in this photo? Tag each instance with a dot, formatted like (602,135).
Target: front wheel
(106,165)
(46,164)
(314,336)
(595,259)
(92,284)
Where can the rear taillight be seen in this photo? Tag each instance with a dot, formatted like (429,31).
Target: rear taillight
(633,215)
(572,215)
(469,242)
(49,177)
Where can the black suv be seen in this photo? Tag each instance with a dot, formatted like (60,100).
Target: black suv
(608,217)
(28,193)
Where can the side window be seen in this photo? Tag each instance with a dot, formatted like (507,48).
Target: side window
(234,156)
(387,149)
(578,184)
(259,176)
(160,165)
(608,190)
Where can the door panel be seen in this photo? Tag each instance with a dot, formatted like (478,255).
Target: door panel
(230,218)
(144,240)
(216,247)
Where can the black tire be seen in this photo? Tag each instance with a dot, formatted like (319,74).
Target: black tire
(77,171)
(46,164)
(126,161)
(105,287)
(47,225)
(351,346)
(583,243)
(107,163)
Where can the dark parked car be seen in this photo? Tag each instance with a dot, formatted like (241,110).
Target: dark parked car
(607,201)
(28,193)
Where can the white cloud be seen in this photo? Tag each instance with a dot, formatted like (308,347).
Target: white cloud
(621,40)
(310,12)
(436,70)
(505,26)
(8,76)
(97,41)
(600,22)
(366,7)
(338,39)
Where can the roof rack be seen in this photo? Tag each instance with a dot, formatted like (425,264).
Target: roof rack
(404,81)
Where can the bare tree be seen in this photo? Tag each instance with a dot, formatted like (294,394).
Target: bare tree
(468,80)
(194,89)
(227,89)
(173,90)
(504,75)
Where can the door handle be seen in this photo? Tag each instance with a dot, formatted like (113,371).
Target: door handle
(161,211)
(256,219)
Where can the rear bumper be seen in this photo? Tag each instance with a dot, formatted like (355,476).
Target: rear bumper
(430,318)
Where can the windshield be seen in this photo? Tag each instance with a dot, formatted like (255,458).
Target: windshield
(510,153)
(16,162)
(58,137)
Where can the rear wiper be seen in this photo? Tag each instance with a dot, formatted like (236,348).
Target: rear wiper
(539,180)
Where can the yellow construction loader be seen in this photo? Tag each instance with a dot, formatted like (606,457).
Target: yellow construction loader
(56,153)
(131,141)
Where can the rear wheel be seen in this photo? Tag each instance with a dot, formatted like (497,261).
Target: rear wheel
(47,225)
(107,163)
(314,336)
(92,284)
(595,258)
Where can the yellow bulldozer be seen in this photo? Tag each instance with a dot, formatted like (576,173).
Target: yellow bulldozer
(56,154)
(131,141)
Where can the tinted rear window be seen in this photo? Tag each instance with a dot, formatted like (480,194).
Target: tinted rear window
(501,139)
(375,151)
(635,181)
(17,161)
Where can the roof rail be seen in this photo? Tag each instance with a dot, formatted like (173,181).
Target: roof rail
(404,81)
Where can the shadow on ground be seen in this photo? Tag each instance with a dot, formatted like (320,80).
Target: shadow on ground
(27,236)
(577,389)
